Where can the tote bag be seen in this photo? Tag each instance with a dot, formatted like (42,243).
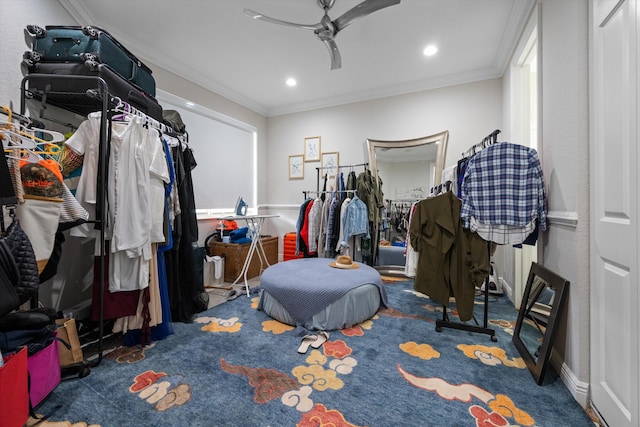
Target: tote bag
(68,334)
(44,372)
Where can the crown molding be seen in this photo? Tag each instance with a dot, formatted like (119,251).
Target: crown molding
(520,12)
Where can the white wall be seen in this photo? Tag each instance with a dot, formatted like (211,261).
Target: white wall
(14,17)
(565,162)
(564,155)
(469,112)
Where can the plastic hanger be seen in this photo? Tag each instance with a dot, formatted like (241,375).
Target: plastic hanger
(9,139)
(27,155)
(53,136)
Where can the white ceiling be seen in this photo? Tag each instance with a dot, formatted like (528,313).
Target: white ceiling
(215,45)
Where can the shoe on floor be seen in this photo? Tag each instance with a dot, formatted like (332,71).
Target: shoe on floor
(307,340)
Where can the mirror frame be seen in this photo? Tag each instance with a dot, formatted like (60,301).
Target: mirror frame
(538,368)
(442,139)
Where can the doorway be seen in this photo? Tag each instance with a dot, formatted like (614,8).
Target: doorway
(525,121)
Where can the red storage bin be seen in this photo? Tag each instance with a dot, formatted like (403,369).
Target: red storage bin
(289,252)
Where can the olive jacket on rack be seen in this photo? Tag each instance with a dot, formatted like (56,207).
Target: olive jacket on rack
(452,260)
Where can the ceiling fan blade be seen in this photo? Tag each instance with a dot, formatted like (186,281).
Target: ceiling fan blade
(260,17)
(336,59)
(361,10)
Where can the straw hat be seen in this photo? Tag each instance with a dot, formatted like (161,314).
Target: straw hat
(344,262)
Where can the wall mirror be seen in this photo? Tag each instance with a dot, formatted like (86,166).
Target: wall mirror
(538,318)
(408,169)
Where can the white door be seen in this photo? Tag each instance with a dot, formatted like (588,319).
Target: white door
(614,187)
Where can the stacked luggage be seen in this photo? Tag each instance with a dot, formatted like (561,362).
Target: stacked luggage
(89,51)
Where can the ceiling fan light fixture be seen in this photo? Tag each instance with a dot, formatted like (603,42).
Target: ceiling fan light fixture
(327,29)
(430,50)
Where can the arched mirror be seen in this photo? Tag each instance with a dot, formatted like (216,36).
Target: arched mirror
(538,318)
(408,170)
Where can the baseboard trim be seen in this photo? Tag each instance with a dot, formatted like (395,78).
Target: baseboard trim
(578,389)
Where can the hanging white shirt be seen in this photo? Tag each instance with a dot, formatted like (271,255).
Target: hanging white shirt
(86,142)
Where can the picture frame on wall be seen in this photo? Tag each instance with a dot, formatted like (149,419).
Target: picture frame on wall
(296,166)
(330,163)
(312,149)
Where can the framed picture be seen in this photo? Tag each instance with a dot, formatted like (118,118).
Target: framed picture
(330,163)
(296,166)
(312,149)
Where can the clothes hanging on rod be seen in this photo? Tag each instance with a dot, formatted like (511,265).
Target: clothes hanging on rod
(175,250)
(337,223)
(503,194)
(337,168)
(465,256)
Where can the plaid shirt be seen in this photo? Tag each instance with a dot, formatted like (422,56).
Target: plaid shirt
(503,186)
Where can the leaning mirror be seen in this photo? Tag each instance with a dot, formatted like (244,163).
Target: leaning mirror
(407,169)
(538,318)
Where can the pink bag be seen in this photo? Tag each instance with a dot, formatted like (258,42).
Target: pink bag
(44,372)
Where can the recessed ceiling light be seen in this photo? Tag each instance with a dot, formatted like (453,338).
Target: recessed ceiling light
(430,50)
(291,82)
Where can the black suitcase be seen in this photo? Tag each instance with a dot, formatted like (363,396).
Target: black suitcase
(117,86)
(79,44)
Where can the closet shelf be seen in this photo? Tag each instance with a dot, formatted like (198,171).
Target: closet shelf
(79,103)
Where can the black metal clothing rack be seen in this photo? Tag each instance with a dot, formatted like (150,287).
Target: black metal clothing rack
(82,103)
(484,328)
(319,168)
(7,194)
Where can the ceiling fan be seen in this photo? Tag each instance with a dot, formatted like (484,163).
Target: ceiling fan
(327,29)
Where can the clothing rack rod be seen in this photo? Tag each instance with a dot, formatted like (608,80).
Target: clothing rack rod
(318,192)
(15,116)
(342,166)
(492,138)
(130,109)
(319,168)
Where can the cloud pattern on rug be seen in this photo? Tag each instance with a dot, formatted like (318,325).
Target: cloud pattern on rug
(325,371)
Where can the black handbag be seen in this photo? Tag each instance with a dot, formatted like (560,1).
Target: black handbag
(21,254)
(9,299)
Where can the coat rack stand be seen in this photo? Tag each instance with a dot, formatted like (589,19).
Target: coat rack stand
(482,329)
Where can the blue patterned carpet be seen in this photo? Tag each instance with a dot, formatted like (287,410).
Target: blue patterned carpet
(235,366)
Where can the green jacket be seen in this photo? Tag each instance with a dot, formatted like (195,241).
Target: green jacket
(452,261)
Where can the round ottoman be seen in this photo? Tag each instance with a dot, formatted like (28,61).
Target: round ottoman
(309,293)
